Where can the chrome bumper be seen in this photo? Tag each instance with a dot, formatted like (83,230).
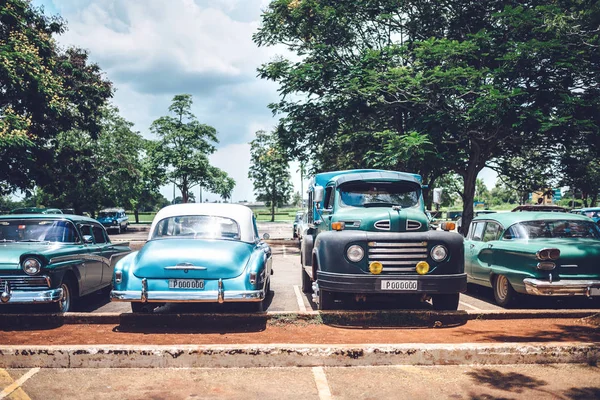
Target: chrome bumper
(565,287)
(211,296)
(30,297)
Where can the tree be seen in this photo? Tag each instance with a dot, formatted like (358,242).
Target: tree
(182,150)
(44,90)
(269,171)
(476,80)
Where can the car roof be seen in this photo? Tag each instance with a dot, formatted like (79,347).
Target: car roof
(241,214)
(69,217)
(509,218)
(36,210)
(588,209)
(112,210)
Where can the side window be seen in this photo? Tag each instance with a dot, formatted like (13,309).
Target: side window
(98,233)
(86,230)
(492,232)
(329,197)
(476,231)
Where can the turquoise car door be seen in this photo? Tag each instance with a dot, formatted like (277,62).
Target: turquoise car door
(484,249)
(473,245)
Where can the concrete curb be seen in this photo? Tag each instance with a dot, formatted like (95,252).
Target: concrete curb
(288,355)
(389,318)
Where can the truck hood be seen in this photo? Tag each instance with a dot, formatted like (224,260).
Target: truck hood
(217,259)
(382,219)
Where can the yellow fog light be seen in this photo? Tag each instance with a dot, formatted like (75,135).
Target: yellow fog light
(422,267)
(375,267)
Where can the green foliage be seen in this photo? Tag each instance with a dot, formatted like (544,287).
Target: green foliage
(44,90)
(432,87)
(269,171)
(182,149)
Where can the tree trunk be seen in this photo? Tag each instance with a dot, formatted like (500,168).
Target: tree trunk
(594,200)
(470,180)
(136,214)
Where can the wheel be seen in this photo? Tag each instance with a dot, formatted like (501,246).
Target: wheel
(504,294)
(445,302)
(142,308)
(65,304)
(306,282)
(326,300)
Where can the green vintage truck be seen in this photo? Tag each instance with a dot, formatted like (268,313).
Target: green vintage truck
(368,237)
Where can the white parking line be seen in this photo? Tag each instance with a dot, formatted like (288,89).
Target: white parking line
(18,383)
(321,382)
(299,298)
(470,306)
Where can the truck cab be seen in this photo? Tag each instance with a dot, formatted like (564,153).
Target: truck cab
(368,237)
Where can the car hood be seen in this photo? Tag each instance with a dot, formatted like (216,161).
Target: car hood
(216,258)
(382,219)
(11,252)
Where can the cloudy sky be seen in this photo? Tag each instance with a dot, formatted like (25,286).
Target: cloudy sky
(154,49)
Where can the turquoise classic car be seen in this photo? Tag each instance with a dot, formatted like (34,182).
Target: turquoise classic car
(114,219)
(196,253)
(54,259)
(534,253)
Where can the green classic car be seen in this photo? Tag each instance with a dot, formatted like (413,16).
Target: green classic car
(54,259)
(535,253)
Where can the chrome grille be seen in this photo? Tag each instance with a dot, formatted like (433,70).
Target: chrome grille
(24,282)
(383,225)
(397,257)
(412,225)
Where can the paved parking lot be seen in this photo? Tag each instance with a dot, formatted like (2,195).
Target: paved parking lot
(561,381)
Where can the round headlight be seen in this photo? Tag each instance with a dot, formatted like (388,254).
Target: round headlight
(31,266)
(439,253)
(355,253)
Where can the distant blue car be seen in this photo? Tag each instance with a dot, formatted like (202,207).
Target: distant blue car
(196,253)
(592,212)
(114,219)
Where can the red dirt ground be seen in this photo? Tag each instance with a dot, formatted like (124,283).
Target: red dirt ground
(477,331)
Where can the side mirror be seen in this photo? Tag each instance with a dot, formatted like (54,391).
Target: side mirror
(88,239)
(318,194)
(266,236)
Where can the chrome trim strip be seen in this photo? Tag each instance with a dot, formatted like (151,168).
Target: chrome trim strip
(564,287)
(403,251)
(185,268)
(412,262)
(387,269)
(211,296)
(388,244)
(398,256)
(569,266)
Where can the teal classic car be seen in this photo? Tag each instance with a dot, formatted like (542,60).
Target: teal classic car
(114,219)
(196,253)
(54,259)
(534,253)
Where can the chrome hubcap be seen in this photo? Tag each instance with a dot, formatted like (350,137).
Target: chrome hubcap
(502,287)
(65,300)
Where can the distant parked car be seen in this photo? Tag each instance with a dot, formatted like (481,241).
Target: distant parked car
(297,224)
(591,212)
(114,219)
(54,259)
(535,253)
(196,253)
(540,208)
(35,210)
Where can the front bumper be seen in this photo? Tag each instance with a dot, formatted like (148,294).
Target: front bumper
(31,297)
(583,287)
(354,283)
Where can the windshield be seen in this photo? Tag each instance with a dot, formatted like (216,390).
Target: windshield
(553,229)
(373,194)
(29,230)
(107,215)
(197,227)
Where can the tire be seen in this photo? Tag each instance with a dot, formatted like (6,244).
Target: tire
(445,302)
(326,301)
(504,294)
(65,304)
(306,282)
(142,308)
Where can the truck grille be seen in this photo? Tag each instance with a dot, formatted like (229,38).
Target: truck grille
(397,257)
(23,282)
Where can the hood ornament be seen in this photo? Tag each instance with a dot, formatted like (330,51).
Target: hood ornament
(397,208)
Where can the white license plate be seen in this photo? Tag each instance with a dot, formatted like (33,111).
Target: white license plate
(594,291)
(399,285)
(186,284)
